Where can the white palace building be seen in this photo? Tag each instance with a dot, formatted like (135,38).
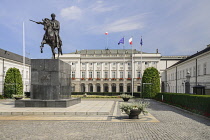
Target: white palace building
(112,70)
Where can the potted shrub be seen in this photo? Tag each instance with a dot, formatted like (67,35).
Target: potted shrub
(134,109)
(17,97)
(126,97)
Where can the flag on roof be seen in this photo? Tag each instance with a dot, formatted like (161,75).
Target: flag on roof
(106,33)
(121,41)
(131,41)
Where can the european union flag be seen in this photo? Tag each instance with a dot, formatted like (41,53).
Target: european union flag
(141,42)
(121,41)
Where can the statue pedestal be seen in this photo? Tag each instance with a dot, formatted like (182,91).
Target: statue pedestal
(50,85)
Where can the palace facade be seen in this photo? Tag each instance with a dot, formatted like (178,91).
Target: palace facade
(113,70)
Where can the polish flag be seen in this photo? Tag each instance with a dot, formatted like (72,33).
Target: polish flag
(106,33)
(130,41)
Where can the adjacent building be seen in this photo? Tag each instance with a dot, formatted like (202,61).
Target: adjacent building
(10,60)
(190,75)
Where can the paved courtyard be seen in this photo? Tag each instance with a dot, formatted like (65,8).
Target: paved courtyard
(162,122)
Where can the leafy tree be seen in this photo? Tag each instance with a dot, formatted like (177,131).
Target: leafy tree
(150,82)
(13,83)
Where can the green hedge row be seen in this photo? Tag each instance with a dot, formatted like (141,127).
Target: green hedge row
(135,94)
(196,103)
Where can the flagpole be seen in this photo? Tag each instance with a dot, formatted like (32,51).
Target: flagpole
(141,68)
(23,58)
(132,67)
(107,41)
(124,65)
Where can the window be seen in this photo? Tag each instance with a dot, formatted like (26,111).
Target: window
(98,74)
(83,74)
(105,63)
(183,74)
(72,63)
(199,70)
(204,68)
(194,71)
(83,63)
(121,74)
(73,74)
(138,74)
(105,74)
(190,70)
(98,63)
(90,74)
(129,74)
(121,63)
(27,74)
(129,64)
(91,64)
(113,64)
(113,74)
(178,74)
(139,63)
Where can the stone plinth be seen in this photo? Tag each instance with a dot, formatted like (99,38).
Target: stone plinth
(50,79)
(50,84)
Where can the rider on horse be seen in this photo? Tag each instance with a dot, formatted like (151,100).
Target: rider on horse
(56,28)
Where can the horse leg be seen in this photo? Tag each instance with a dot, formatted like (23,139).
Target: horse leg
(42,45)
(53,52)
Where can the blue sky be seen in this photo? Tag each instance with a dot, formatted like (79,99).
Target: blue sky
(175,27)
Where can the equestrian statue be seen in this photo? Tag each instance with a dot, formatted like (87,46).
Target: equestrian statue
(51,36)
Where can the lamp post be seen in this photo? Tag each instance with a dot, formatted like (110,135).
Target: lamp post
(187,83)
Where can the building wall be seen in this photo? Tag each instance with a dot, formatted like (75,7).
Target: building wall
(198,68)
(6,63)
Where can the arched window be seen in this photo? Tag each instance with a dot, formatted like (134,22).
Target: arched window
(82,87)
(106,88)
(121,87)
(113,87)
(98,87)
(90,87)
(128,87)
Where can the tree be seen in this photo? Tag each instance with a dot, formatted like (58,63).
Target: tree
(13,83)
(150,82)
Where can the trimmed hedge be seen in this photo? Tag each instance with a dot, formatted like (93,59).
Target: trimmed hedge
(150,83)
(135,94)
(195,103)
(13,83)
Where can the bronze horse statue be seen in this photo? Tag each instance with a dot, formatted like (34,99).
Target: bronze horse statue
(50,37)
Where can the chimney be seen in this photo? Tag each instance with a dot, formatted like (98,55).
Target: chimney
(156,50)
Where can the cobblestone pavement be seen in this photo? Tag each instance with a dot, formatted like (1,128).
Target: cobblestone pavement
(174,124)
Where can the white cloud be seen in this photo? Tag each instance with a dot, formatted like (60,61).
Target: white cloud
(71,13)
(124,24)
(100,7)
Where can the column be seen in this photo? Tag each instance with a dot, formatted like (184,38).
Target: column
(86,88)
(117,88)
(102,88)
(94,88)
(110,87)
